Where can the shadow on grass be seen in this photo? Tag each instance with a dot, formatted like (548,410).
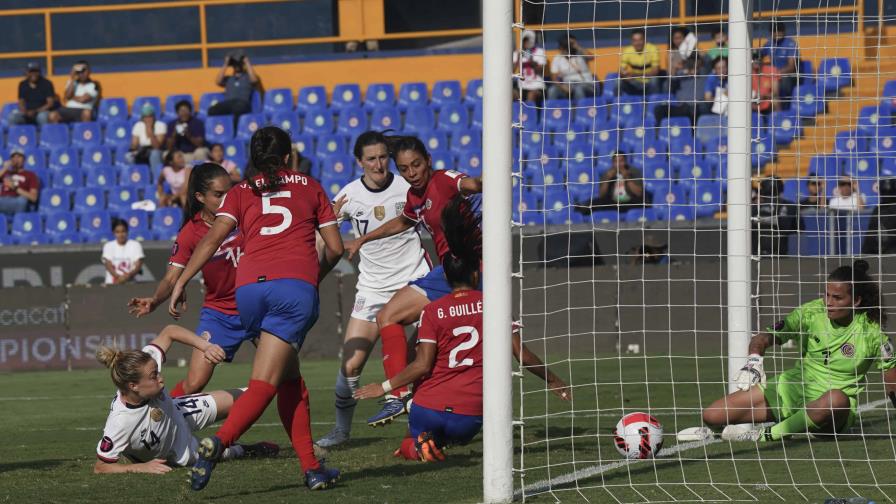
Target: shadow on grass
(401,468)
(31,465)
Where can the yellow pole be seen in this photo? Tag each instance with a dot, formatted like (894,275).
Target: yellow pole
(203,36)
(48,40)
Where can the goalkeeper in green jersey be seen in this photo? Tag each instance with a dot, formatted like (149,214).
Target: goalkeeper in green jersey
(840,338)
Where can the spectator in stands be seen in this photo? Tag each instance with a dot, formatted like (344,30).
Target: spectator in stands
(683,57)
(621,187)
(720,47)
(238,86)
(715,89)
(774,218)
(572,75)
(640,69)
(216,155)
(766,85)
(20,186)
(187,134)
(37,98)
(881,235)
(815,200)
(846,196)
(148,138)
(82,96)
(122,257)
(692,102)
(172,184)
(530,64)
(784,54)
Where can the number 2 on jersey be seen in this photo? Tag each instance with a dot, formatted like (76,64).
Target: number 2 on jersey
(465,345)
(268,208)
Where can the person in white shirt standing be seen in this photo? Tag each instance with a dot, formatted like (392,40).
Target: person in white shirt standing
(82,96)
(572,75)
(122,257)
(386,266)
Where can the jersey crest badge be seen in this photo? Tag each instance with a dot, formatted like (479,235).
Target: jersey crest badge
(379,212)
(848,350)
(886,350)
(175,248)
(156,414)
(428,204)
(106,444)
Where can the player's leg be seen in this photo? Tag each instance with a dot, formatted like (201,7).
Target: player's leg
(829,413)
(743,406)
(198,375)
(221,329)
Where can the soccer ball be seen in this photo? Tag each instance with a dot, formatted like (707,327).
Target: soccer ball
(638,436)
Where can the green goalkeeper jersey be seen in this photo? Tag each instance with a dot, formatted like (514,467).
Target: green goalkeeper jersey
(834,357)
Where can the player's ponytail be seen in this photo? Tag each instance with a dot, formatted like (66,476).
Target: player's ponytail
(366,139)
(200,179)
(126,366)
(460,222)
(268,150)
(863,286)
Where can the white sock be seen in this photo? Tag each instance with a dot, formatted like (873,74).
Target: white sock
(233,452)
(345,402)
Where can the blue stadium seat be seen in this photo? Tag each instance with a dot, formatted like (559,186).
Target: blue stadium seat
(861,167)
(453,116)
(64,158)
(640,140)
(140,101)
(825,166)
(470,162)
(54,199)
(606,142)
(166,223)
(557,206)
(43,176)
(35,158)
(101,176)
(378,95)
(579,151)
(847,142)
(556,115)
(72,178)
(277,100)
(86,134)
(434,140)
(611,86)
(117,134)
(255,101)
(707,197)
(304,144)
(122,197)
(385,117)
(871,119)
(60,222)
(219,129)
(412,93)
(318,121)
(763,151)
(441,159)
(27,225)
(21,136)
(337,171)
(6,111)
(658,171)
(96,155)
(54,135)
(419,118)
(673,128)
(136,175)
(886,142)
(834,73)
(311,97)
(527,209)
(66,238)
(786,127)
(288,121)
(474,92)
(534,144)
(247,125)
(206,101)
(171,101)
(528,116)
(112,109)
(710,126)
(808,101)
(138,221)
(444,92)
(591,113)
(346,95)
(352,121)
(329,145)
(674,212)
(234,150)
(537,173)
(581,180)
(477,115)
(627,114)
(639,215)
(95,221)
(90,198)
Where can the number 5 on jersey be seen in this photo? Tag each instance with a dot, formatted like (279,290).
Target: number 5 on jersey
(471,342)
(267,208)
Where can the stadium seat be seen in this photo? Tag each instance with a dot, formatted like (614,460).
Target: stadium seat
(27,225)
(639,215)
(336,172)
(385,117)
(277,100)
(640,139)
(311,97)
(219,129)
(418,118)
(847,142)
(66,238)
(453,116)
(86,134)
(470,162)
(534,143)
(807,101)
(6,111)
(346,95)
(785,127)
(710,126)
(54,135)
(90,198)
(54,199)
(434,140)
(95,221)
(166,223)
(557,207)
(304,144)
(611,86)
(329,145)
(21,136)
(171,101)
(71,178)
(474,92)
(606,142)
(871,119)
(117,134)
(352,121)
(43,176)
(624,114)
(441,159)
(122,197)
(255,102)
(825,166)
(247,125)
(527,209)
(763,151)
(673,212)
(138,220)
(861,167)
(96,155)
(444,92)
(707,197)
(537,173)
(673,128)
(101,176)
(206,101)
(288,121)
(591,113)
(412,93)
(63,158)
(378,95)
(834,73)
(886,142)
(581,180)
(60,222)
(136,175)
(318,121)
(477,115)
(35,158)
(140,101)
(556,115)
(112,109)
(466,139)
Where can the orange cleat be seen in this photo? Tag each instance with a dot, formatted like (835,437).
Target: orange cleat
(427,449)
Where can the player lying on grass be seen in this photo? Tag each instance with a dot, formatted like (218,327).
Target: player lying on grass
(219,318)
(447,405)
(840,338)
(149,428)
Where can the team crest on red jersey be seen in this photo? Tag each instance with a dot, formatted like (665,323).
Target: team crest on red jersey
(848,350)
(174,248)
(106,444)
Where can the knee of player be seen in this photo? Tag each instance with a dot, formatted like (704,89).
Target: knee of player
(351,370)
(384,318)
(713,416)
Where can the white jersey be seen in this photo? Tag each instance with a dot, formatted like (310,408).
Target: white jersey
(157,429)
(390,263)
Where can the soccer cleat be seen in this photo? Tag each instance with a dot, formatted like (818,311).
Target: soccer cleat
(262,450)
(321,478)
(393,407)
(694,434)
(209,451)
(745,432)
(334,438)
(427,448)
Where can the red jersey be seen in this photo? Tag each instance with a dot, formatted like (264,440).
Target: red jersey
(219,273)
(278,227)
(24,179)
(454,324)
(426,206)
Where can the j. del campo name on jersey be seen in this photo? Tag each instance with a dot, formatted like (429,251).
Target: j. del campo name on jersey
(460,310)
(292,178)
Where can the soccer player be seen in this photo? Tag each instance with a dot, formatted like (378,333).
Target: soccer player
(840,337)
(218,318)
(278,212)
(149,428)
(430,192)
(386,266)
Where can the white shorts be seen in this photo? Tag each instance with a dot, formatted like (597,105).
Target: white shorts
(199,410)
(369,303)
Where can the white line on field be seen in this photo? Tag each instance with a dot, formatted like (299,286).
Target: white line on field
(587,472)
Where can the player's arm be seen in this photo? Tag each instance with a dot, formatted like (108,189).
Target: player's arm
(204,251)
(332,249)
(470,185)
(131,274)
(171,333)
(155,466)
(397,225)
(422,365)
(110,268)
(536,366)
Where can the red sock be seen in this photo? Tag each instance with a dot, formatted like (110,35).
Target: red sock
(178,390)
(395,353)
(295,414)
(246,410)
(407,449)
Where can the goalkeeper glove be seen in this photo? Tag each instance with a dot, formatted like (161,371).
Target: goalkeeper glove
(751,374)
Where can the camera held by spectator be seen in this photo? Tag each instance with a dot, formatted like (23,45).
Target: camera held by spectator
(236,59)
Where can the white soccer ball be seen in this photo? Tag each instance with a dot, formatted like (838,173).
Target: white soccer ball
(638,436)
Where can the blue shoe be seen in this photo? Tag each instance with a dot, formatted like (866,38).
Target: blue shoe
(393,408)
(321,478)
(209,451)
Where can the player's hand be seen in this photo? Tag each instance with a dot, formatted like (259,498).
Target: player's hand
(560,389)
(351,247)
(178,298)
(370,391)
(751,374)
(214,354)
(338,204)
(140,307)
(155,466)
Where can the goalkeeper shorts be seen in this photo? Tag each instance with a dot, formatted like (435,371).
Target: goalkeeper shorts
(786,394)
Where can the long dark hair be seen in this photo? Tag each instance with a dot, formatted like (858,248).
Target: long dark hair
(200,178)
(863,286)
(460,222)
(267,149)
(401,143)
(371,137)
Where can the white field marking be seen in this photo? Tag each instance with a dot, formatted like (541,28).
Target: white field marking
(110,395)
(587,472)
(260,424)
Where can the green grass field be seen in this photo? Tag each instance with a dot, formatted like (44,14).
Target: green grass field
(52,422)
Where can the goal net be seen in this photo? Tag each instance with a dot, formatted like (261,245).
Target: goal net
(682,178)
